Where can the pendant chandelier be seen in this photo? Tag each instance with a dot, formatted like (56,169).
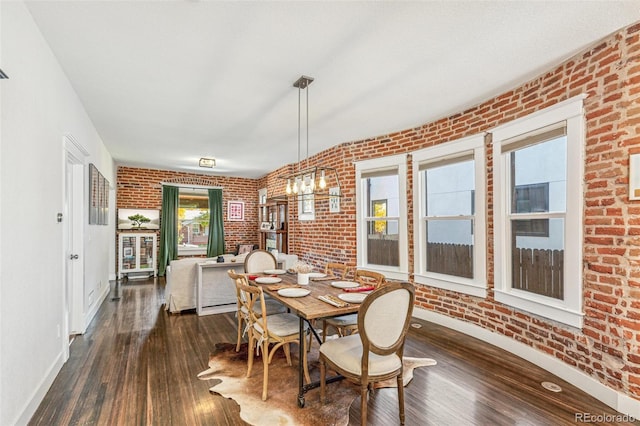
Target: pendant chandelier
(309,180)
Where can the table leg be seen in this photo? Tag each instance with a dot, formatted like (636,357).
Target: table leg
(300,366)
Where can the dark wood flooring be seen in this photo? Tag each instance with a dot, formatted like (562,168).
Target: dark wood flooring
(137,365)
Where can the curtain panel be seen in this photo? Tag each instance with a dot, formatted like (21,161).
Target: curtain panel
(215,244)
(168,228)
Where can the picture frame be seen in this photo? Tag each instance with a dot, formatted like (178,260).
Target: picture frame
(235,211)
(334,200)
(149,219)
(265,226)
(634,175)
(127,252)
(94,199)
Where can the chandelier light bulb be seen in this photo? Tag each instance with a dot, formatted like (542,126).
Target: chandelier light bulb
(288,186)
(295,186)
(303,185)
(323,182)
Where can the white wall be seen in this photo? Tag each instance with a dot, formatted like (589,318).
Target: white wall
(38,106)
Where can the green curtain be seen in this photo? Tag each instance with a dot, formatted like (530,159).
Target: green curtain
(215,245)
(168,228)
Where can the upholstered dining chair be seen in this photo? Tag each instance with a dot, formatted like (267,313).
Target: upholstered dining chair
(375,353)
(258,261)
(242,315)
(280,330)
(348,324)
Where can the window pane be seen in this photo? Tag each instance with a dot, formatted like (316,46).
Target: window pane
(383,247)
(450,247)
(449,189)
(193,220)
(538,263)
(383,190)
(539,174)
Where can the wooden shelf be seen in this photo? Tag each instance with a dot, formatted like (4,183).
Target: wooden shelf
(274,214)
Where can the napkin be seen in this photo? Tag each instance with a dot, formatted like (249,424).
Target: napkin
(275,287)
(253,277)
(357,289)
(332,300)
(327,278)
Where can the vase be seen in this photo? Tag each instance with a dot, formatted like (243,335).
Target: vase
(303,279)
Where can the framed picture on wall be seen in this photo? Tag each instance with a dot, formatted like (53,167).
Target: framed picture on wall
(235,211)
(634,175)
(94,197)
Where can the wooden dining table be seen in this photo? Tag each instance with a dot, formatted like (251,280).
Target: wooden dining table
(307,308)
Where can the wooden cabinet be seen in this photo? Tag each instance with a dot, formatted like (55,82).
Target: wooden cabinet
(137,255)
(273,216)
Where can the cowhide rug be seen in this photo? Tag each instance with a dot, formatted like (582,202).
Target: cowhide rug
(230,367)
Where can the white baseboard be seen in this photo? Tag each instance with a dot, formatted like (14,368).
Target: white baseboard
(614,399)
(41,390)
(95,307)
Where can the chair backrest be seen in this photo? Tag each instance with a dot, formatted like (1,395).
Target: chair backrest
(336,269)
(258,261)
(249,296)
(237,278)
(384,316)
(365,277)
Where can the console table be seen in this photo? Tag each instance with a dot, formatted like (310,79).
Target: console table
(213,278)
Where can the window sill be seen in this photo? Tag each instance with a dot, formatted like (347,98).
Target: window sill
(447,282)
(542,306)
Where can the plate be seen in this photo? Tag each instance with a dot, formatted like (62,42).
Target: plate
(317,275)
(344,284)
(293,292)
(275,271)
(268,280)
(352,297)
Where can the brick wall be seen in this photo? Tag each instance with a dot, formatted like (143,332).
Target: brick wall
(142,188)
(607,348)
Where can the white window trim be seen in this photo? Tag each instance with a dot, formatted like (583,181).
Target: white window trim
(476,286)
(569,310)
(398,162)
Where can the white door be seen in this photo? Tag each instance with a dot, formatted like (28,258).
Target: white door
(72,219)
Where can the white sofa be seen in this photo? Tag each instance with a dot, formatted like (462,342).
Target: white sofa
(182,280)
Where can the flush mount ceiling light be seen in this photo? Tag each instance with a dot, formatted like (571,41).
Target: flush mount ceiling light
(310,179)
(207,162)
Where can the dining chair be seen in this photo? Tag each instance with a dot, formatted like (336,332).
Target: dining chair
(375,353)
(348,324)
(338,270)
(280,330)
(272,305)
(258,261)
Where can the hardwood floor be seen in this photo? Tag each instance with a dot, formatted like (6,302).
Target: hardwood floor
(137,365)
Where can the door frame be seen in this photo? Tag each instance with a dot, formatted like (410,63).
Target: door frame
(74,155)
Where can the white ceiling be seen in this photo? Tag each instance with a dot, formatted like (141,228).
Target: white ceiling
(168,82)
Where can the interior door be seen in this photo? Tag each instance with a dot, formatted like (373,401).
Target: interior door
(72,219)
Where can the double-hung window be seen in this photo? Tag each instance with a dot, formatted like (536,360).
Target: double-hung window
(449,216)
(538,179)
(381,217)
(193,221)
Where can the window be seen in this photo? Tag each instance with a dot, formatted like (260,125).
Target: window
(449,200)
(381,216)
(538,212)
(193,221)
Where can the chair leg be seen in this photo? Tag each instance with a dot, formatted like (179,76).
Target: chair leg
(239,332)
(323,385)
(363,403)
(305,364)
(287,352)
(401,397)
(265,363)
(325,326)
(250,357)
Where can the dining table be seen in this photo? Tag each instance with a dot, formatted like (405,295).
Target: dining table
(308,307)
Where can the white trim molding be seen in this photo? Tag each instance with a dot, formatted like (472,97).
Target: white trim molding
(614,399)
